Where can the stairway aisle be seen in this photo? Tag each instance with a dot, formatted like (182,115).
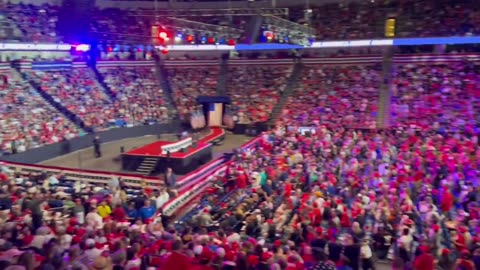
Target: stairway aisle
(68,114)
(384,97)
(162,76)
(222,77)
(101,81)
(287,92)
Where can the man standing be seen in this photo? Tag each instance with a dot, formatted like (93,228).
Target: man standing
(96,147)
(170,179)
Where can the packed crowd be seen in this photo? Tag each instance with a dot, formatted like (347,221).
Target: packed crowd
(366,19)
(187,83)
(38,23)
(261,88)
(27,120)
(139,99)
(355,20)
(78,92)
(445,95)
(327,199)
(135,97)
(335,96)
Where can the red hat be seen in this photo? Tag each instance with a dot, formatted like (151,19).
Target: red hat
(435,228)
(266,256)
(445,251)
(206,210)
(230,256)
(277,243)
(462,229)
(27,240)
(409,222)
(167,246)
(269,221)
(424,249)
(253,260)
(319,230)
(465,252)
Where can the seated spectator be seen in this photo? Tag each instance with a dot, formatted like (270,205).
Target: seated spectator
(28,121)
(188,83)
(334,96)
(139,99)
(261,88)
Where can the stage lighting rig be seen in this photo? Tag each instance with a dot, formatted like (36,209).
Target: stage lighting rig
(213,12)
(290,32)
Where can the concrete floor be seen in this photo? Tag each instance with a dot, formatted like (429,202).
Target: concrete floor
(110,160)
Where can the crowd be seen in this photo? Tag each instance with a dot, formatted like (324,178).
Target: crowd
(79,93)
(327,199)
(38,23)
(334,21)
(187,83)
(139,99)
(136,97)
(444,95)
(261,88)
(27,120)
(335,96)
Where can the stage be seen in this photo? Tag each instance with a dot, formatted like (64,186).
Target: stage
(185,157)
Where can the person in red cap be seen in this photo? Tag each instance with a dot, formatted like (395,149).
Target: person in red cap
(445,261)
(464,262)
(424,261)
(176,260)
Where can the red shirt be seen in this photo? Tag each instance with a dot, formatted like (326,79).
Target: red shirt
(177,261)
(424,262)
(118,214)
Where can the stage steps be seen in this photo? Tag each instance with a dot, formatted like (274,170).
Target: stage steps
(147,166)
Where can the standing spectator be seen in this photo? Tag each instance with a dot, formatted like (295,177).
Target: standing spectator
(147,212)
(170,179)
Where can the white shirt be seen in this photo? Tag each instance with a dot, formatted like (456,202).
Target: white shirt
(365,252)
(162,199)
(95,220)
(406,241)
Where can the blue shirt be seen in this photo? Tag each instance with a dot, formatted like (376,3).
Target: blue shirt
(132,213)
(147,212)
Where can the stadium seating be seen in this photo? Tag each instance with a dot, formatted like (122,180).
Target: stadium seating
(334,96)
(190,82)
(79,93)
(138,95)
(254,90)
(442,94)
(27,120)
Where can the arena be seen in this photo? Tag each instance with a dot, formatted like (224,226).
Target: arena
(239,135)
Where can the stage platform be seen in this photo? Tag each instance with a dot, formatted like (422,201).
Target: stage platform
(181,162)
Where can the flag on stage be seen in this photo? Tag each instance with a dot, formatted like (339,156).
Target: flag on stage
(215,114)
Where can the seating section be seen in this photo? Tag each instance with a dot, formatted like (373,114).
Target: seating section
(254,90)
(139,99)
(334,96)
(79,93)
(190,82)
(27,120)
(37,23)
(445,95)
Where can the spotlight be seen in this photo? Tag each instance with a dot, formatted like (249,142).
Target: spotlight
(178,39)
(190,38)
(231,42)
(210,40)
(164,51)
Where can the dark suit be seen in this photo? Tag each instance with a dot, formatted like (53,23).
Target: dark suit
(96,147)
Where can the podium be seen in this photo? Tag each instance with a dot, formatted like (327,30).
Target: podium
(213,109)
